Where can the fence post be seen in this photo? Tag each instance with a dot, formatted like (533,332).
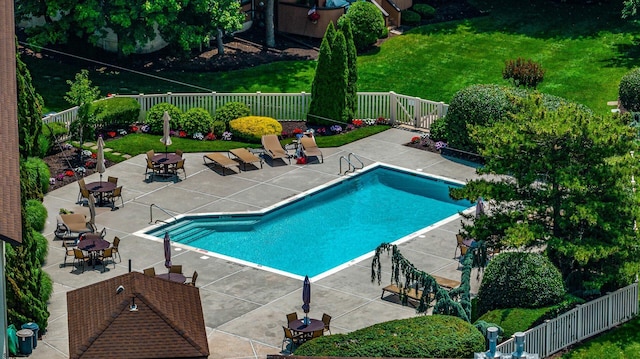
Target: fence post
(441,109)
(305,110)
(609,311)
(392,107)
(578,323)
(547,338)
(143,107)
(417,112)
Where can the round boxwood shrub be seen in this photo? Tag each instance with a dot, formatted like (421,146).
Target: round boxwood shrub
(36,214)
(38,174)
(230,111)
(410,18)
(629,90)
(195,120)
(118,112)
(42,246)
(520,280)
(367,23)
(252,128)
(425,11)
(155,113)
(429,336)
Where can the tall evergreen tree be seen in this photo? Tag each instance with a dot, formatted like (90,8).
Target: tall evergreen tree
(322,87)
(564,184)
(352,68)
(339,74)
(29,111)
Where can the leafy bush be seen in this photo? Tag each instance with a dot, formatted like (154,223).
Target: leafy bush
(629,90)
(429,336)
(42,247)
(195,120)
(483,105)
(252,128)
(425,11)
(155,113)
(409,17)
(438,129)
(36,214)
(218,127)
(38,174)
(523,72)
(520,280)
(230,111)
(119,112)
(367,23)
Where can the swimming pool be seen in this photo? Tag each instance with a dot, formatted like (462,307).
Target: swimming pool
(323,230)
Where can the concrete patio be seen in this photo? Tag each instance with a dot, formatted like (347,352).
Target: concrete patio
(245,308)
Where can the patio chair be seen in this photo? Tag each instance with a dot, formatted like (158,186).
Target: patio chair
(309,148)
(179,153)
(81,194)
(115,247)
(153,168)
(117,193)
(113,180)
(245,156)
(294,339)
(68,252)
(326,319)
(150,155)
(176,268)
(460,245)
(80,257)
(220,160)
(178,166)
(193,279)
(151,272)
(291,317)
(273,148)
(71,226)
(107,253)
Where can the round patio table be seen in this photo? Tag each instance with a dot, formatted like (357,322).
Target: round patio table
(299,326)
(166,159)
(174,277)
(100,188)
(93,243)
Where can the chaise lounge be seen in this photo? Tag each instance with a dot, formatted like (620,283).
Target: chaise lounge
(71,226)
(221,160)
(245,156)
(310,148)
(273,148)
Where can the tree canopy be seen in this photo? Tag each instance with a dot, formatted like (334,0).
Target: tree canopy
(182,23)
(561,180)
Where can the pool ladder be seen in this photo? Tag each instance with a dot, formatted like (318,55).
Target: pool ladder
(351,166)
(160,208)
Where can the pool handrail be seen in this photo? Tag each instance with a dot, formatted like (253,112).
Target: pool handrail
(351,165)
(160,208)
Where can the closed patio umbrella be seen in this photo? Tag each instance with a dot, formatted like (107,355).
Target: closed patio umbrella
(166,131)
(479,207)
(92,210)
(167,250)
(100,158)
(306,298)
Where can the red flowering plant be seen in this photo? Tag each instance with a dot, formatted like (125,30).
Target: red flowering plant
(69,173)
(134,129)
(94,155)
(357,123)
(210,136)
(90,164)
(415,139)
(111,134)
(321,131)
(297,130)
(182,133)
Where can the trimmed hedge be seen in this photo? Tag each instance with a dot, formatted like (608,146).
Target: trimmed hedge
(425,11)
(118,112)
(38,174)
(429,336)
(629,90)
(252,128)
(367,24)
(483,105)
(155,113)
(36,214)
(230,111)
(520,280)
(409,17)
(196,120)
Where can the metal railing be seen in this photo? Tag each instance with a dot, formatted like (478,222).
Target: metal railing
(351,166)
(580,323)
(158,220)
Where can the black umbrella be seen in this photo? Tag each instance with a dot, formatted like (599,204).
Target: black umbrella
(306,298)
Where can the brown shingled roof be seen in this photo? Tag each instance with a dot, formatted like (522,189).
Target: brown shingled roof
(168,323)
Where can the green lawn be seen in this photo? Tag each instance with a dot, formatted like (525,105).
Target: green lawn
(585,50)
(620,343)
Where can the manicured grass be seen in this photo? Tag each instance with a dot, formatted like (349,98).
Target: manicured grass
(137,143)
(584,48)
(620,343)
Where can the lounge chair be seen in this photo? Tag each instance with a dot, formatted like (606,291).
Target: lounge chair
(273,148)
(221,160)
(71,226)
(245,156)
(310,148)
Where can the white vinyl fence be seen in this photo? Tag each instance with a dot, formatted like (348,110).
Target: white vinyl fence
(399,109)
(579,323)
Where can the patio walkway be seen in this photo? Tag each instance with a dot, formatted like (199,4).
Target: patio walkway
(245,308)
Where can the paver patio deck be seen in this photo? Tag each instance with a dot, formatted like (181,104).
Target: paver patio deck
(244,308)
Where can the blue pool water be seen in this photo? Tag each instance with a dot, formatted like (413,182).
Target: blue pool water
(320,231)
